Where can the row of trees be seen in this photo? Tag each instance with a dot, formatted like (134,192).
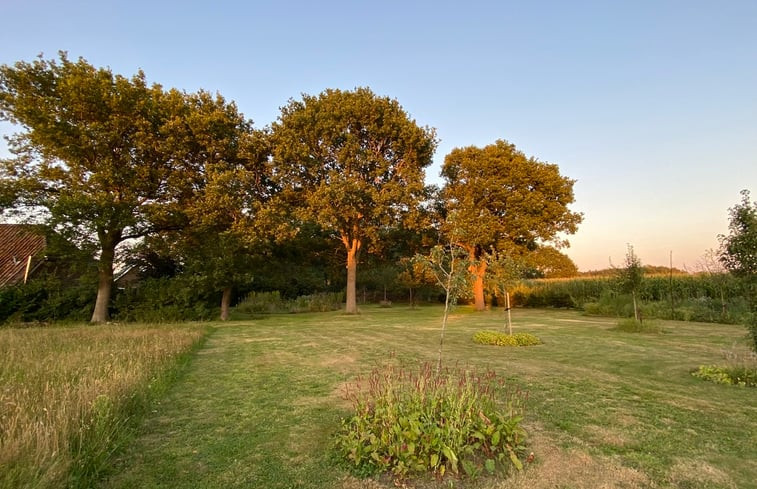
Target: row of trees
(104,159)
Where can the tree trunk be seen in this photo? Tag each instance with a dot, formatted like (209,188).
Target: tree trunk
(478,272)
(225,303)
(635,307)
(353,254)
(104,282)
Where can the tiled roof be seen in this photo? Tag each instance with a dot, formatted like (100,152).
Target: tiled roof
(17,244)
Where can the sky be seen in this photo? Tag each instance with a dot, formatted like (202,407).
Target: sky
(650,105)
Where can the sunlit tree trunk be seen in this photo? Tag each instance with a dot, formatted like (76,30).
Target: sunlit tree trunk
(104,281)
(478,270)
(225,303)
(353,254)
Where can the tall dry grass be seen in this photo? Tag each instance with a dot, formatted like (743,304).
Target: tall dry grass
(67,395)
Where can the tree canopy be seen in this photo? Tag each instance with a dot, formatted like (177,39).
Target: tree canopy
(738,250)
(352,162)
(498,198)
(105,158)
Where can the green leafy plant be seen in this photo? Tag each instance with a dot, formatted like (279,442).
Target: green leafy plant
(743,377)
(502,339)
(739,368)
(274,303)
(456,421)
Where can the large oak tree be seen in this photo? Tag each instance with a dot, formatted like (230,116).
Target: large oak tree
(101,155)
(230,187)
(353,162)
(499,199)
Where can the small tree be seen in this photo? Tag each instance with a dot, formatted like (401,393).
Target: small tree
(504,271)
(738,250)
(449,266)
(630,279)
(738,253)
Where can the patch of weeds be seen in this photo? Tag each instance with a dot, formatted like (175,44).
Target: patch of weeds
(739,368)
(631,325)
(503,339)
(274,303)
(452,422)
(727,375)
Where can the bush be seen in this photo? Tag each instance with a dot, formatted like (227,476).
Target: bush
(47,299)
(166,300)
(741,376)
(273,303)
(502,339)
(410,423)
(739,368)
(721,298)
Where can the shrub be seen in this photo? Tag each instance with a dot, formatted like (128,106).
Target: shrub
(409,423)
(273,303)
(741,376)
(47,299)
(159,300)
(739,368)
(503,339)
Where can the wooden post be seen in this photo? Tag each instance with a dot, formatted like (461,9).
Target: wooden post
(28,266)
(672,304)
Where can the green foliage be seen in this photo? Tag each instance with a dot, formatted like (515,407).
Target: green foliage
(546,294)
(501,198)
(738,250)
(103,158)
(274,303)
(631,276)
(740,376)
(548,262)
(498,198)
(166,300)
(502,339)
(49,299)
(415,422)
(353,163)
(721,298)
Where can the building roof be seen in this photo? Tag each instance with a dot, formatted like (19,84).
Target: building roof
(17,243)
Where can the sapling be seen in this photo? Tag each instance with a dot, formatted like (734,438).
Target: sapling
(450,268)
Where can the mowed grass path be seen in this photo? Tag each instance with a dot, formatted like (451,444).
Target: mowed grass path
(258,404)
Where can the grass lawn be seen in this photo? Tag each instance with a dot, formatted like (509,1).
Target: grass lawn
(257,405)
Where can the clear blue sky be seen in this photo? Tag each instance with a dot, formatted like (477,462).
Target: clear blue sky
(650,105)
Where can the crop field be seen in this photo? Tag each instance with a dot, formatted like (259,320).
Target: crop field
(258,404)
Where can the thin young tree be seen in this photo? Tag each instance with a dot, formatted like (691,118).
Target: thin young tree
(738,253)
(630,279)
(449,266)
